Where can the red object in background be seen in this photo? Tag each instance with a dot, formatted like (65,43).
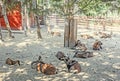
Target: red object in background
(14,18)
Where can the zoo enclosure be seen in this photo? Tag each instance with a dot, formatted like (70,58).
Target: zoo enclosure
(88,22)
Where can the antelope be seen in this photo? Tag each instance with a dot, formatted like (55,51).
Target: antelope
(47,69)
(43,67)
(86,36)
(105,35)
(55,33)
(11,62)
(34,63)
(86,54)
(72,65)
(80,46)
(97,45)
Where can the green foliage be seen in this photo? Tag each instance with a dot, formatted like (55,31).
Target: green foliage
(39,8)
(97,9)
(87,7)
(65,7)
(11,4)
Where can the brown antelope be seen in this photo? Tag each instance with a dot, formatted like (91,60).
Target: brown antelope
(47,69)
(43,67)
(72,65)
(86,36)
(11,62)
(78,42)
(105,35)
(55,33)
(86,54)
(97,45)
(80,46)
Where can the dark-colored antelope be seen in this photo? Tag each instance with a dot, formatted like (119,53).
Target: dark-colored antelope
(86,54)
(12,62)
(72,65)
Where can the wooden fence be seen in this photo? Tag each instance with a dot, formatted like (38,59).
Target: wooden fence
(88,22)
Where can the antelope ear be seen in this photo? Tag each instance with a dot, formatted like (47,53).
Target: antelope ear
(74,56)
(39,58)
(18,62)
(68,57)
(76,52)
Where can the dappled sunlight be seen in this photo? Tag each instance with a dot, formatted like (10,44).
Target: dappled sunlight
(21,45)
(47,47)
(85,76)
(96,54)
(28,80)
(104,64)
(27,62)
(111,56)
(116,66)
(118,56)
(113,75)
(85,63)
(9,44)
(19,70)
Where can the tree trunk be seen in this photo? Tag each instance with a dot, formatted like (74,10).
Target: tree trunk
(0,22)
(8,26)
(24,19)
(1,33)
(66,33)
(73,33)
(48,27)
(37,22)
(27,19)
(38,28)
(6,21)
(70,34)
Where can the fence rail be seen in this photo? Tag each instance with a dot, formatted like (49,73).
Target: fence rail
(87,21)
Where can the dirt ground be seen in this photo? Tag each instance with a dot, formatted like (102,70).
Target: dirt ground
(104,66)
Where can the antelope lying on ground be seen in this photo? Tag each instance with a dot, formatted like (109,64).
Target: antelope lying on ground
(47,69)
(34,63)
(11,62)
(43,67)
(55,33)
(86,36)
(72,65)
(80,46)
(97,45)
(105,35)
(86,54)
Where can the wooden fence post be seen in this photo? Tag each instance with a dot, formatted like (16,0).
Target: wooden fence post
(73,33)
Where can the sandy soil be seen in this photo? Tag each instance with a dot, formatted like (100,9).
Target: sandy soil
(104,66)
